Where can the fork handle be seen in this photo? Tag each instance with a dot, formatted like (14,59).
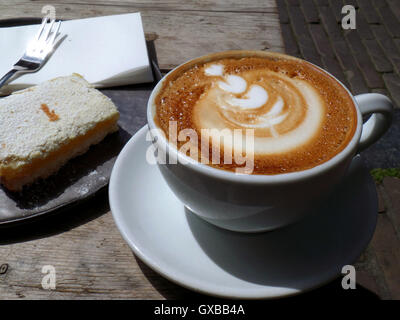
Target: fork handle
(7,76)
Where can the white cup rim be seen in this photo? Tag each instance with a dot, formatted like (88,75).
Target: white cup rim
(230,176)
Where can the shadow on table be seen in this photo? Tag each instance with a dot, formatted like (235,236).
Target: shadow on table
(332,290)
(62,220)
(166,288)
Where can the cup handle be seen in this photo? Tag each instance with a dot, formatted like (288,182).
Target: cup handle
(381,108)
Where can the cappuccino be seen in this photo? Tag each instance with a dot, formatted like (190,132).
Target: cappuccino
(298,115)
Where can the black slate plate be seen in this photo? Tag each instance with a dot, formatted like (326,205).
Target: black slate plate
(86,175)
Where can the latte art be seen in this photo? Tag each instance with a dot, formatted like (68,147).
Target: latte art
(300,116)
(285,113)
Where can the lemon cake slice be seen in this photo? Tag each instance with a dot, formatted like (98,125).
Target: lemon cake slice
(43,127)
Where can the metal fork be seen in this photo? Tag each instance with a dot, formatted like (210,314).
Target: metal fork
(37,51)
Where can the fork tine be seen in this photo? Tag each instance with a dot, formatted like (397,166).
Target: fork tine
(42,26)
(54,34)
(47,32)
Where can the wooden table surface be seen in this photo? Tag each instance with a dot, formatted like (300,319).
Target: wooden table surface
(90,257)
(182,29)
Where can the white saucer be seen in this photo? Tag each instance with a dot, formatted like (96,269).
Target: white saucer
(204,258)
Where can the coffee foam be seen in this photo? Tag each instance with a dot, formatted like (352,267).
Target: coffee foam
(284,113)
(301,116)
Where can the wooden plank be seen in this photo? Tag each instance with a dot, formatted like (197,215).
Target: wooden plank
(167,5)
(179,35)
(89,255)
(183,37)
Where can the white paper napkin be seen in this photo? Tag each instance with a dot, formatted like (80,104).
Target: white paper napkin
(106,51)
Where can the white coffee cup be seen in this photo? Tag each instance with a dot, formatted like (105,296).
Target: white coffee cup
(254,203)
